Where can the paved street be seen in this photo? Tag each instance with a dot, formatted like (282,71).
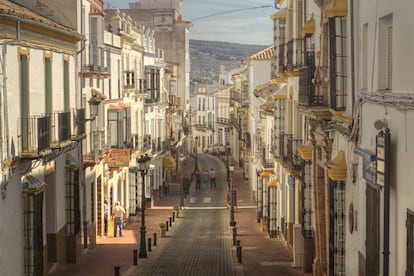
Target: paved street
(199,242)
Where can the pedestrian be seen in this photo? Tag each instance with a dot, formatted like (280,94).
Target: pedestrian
(198,179)
(212,176)
(119,213)
(106,217)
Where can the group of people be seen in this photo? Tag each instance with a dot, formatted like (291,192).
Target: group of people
(206,176)
(118,212)
(117,215)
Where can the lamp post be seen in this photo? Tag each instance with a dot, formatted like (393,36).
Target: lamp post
(232,221)
(182,158)
(228,165)
(196,153)
(143,162)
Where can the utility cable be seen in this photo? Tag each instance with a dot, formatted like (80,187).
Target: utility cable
(230,11)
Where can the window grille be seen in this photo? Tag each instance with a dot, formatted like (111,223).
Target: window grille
(337,228)
(337,62)
(33,234)
(72,203)
(307,199)
(410,243)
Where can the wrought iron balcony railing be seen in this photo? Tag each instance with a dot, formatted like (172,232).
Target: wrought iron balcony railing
(293,158)
(34,136)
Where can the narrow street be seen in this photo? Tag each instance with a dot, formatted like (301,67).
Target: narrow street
(202,240)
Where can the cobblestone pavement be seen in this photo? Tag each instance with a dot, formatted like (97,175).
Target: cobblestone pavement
(200,244)
(199,241)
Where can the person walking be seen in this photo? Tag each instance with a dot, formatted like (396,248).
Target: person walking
(106,217)
(119,213)
(198,179)
(212,176)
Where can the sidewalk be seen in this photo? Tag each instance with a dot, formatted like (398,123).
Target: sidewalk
(260,255)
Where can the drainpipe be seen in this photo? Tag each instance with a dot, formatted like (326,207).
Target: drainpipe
(387,183)
(351,3)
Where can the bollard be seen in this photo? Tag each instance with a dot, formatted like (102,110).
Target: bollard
(239,254)
(173,216)
(166,224)
(117,268)
(170,221)
(135,256)
(149,244)
(155,239)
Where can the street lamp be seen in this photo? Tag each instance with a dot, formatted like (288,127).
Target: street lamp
(228,165)
(196,153)
(144,163)
(232,221)
(182,158)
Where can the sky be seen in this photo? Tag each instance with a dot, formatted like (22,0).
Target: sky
(237,21)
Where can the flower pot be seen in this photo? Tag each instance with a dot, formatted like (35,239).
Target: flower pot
(162,232)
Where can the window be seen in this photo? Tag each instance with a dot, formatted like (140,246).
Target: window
(119,122)
(48,85)
(33,234)
(24,99)
(152,77)
(410,243)
(307,192)
(72,202)
(385,53)
(66,96)
(337,62)
(336,227)
(364,58)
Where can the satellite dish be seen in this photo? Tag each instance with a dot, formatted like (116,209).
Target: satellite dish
(379,124)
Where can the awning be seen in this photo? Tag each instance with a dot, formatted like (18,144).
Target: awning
(272,183)
(168,162)
(309,27)
(337,8)
(32,185)
(118,107)
(267,173)
(306,150)
(71,163)
(337,167)
(280,94)
(280,14)
(268,106)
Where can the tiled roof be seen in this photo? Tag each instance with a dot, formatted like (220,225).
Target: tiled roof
(265,54)
(9,8)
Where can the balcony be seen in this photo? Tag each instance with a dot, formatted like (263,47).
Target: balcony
(222,120)
(80,124)
(34,135)
(307,90)
(61,129)
(290,57)
(293,158)
(266,158)
(235,96)
(99,148)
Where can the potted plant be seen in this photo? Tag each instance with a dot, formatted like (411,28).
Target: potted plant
(162,230)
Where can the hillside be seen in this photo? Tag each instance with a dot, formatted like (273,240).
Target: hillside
(206,57)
